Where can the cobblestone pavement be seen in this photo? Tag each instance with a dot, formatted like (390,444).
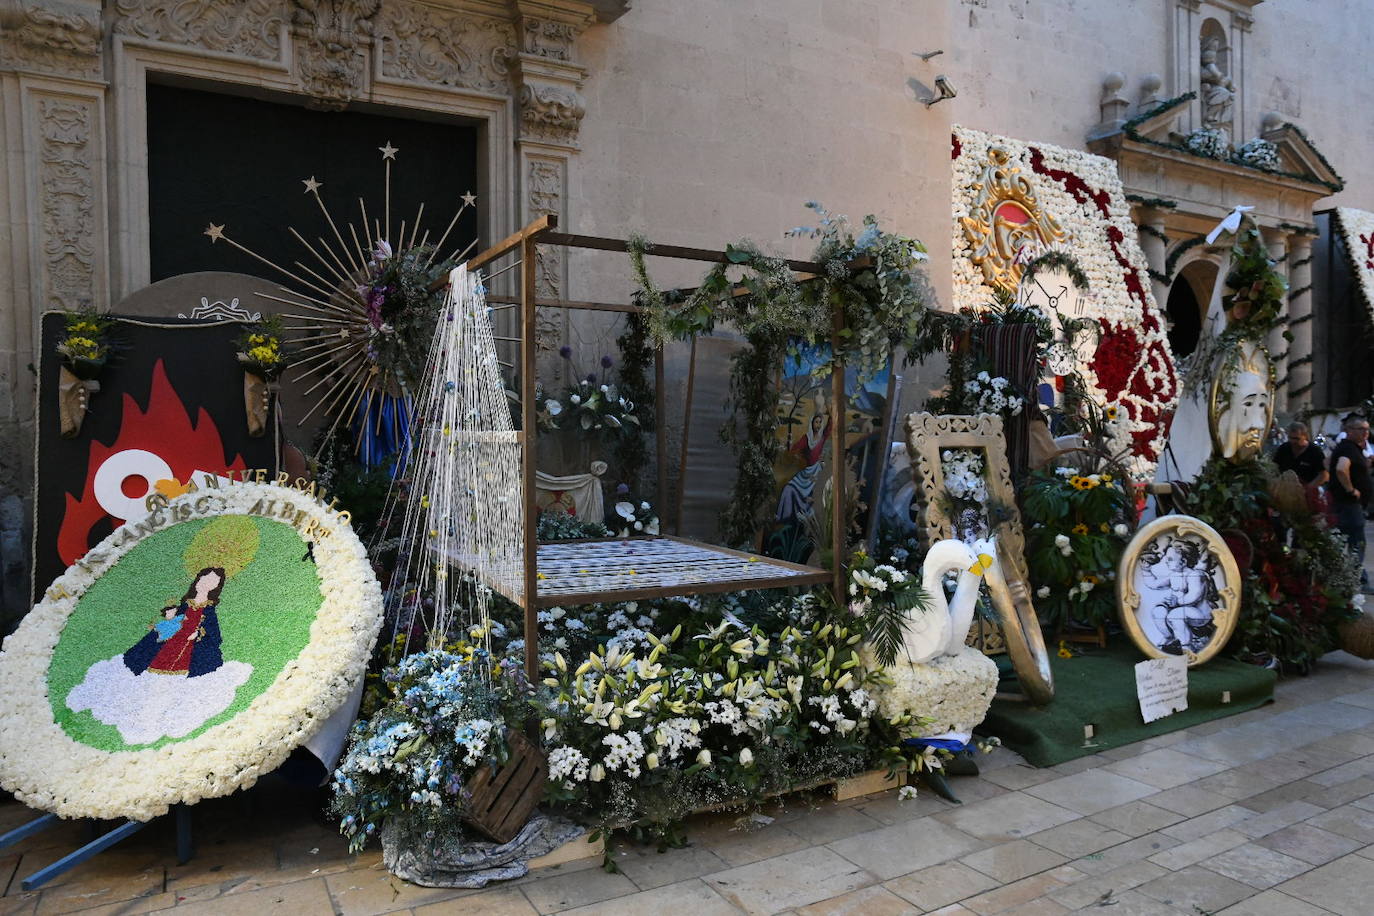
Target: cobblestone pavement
(1267,812)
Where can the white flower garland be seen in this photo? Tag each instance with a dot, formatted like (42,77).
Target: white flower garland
(46,769)
(1357,230)
(1119,294)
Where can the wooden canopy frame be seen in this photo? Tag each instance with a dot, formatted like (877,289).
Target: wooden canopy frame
(762,572)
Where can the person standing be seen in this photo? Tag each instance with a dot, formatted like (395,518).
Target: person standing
(1351,486)
(1301,457)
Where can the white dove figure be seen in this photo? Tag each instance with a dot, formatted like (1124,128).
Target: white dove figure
(931,633)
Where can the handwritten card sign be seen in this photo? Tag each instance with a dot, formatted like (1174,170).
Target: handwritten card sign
(1162,686)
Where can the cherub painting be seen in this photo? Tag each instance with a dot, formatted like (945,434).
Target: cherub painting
(1178,594)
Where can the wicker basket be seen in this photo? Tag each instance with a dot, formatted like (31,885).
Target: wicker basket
(1357,636)
(503,798)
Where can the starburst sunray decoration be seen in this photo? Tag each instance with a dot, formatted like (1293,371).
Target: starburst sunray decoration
(362,307)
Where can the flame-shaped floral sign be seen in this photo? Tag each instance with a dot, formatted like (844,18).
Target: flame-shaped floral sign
(187,653)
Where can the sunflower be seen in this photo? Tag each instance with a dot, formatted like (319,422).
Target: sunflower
(1080,483)
(1092,579)
(1110,413)
(1104,527)
(1080,529)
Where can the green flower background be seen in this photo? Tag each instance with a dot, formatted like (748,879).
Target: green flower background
(265,614)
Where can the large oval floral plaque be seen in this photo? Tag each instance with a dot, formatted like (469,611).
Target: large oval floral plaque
(186,655)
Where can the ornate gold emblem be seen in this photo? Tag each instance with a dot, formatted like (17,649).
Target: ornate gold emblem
(1006,217)
(1241,407)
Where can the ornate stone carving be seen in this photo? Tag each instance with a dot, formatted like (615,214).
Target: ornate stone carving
(251,28)
(332,42)
(544,193)
(550,113)
(1218,91)
(66,179)
(545,38)
(52,37)
(448,47)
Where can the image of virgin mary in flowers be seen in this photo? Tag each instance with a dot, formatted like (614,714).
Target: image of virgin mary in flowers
(174,679)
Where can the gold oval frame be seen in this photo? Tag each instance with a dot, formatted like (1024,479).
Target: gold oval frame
(1128,598)
(1220,389)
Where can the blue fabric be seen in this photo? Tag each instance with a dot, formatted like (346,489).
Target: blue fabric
(948,744)
(381,429)
(206,656)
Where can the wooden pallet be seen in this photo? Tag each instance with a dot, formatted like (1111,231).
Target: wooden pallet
(503,798)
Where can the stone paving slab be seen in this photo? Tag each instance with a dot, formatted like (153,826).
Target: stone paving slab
(1266,813)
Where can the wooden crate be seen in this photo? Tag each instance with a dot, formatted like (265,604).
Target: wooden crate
(503,798)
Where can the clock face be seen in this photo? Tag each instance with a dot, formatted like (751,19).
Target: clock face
(1053,292)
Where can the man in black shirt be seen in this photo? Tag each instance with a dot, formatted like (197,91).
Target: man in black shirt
(1301,457)
(1351,486)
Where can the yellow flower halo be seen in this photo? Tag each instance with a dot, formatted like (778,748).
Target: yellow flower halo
(228,541)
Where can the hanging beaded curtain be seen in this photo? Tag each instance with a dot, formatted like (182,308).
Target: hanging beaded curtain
(463,527)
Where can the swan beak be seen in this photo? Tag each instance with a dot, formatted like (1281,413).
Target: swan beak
(981,565)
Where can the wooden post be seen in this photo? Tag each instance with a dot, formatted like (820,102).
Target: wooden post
(837,412)
(660,441)
(686,434)
(528,426)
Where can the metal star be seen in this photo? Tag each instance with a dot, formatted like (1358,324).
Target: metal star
(215,232)
(388,151)
(469,199)
(311,184)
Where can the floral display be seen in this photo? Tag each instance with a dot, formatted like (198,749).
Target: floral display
(592,406)
(630,516)
(964,471)
(646,728)
(1211,142)
(1357,231)
(187,653)
(1258,153)
(881,596)
(1299,587)
(402,304)
(1077,527)
(994,395)
(260,349)
(560,526)
(85,346)
(1088,217)
(444,717)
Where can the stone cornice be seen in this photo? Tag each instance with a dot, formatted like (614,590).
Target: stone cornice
(1207,189)
(60,37)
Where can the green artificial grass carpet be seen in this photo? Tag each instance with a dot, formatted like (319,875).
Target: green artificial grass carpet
(1098,688)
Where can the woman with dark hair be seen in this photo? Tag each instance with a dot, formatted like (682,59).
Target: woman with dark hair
(194,649)
(170,682)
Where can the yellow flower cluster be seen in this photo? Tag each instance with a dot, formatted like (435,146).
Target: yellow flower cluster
(1089,481)
(264,354)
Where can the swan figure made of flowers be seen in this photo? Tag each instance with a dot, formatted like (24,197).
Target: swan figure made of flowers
(942,629)
(944,682)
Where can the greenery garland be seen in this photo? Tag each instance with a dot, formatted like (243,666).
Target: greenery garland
(1056,260)
(1253,307)
(871,279)
(629,453)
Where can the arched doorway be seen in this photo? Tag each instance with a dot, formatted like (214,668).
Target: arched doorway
(1187,305)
